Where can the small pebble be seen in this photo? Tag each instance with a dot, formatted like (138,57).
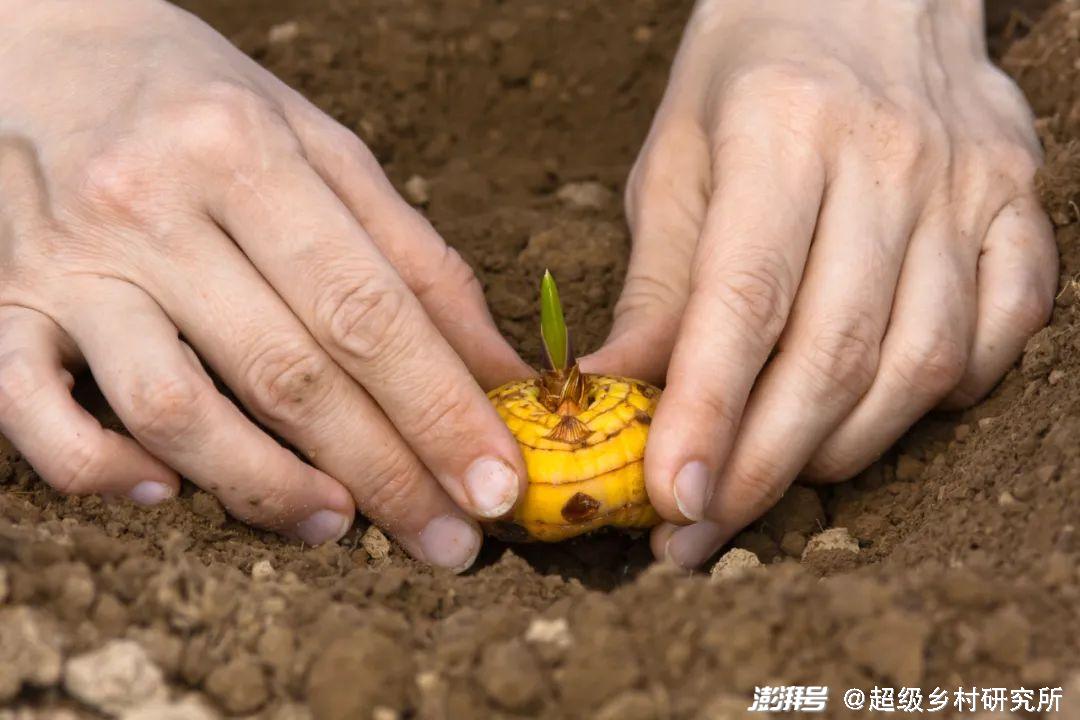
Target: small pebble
(734,564)
(114,678)
(908,468)
(549,632)
(793,543)
(285,32)
(1056,375)
(375,543)
(961,432)
(418,190)
(586,195)
(262,570)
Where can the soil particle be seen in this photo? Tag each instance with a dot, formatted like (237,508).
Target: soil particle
(793,544)
(597,667)
(417,190)
(586,196)
(356,672)
(262,570)
(908,468)
(799,510)
(375,543)
(115,678)
(1005,638)
(30,650)
(631,705)
(510,675)
(831,550)
(868,526)
(891,647)
(1040,354)
(209,507)
(189,708)
(734,564)
(239,686)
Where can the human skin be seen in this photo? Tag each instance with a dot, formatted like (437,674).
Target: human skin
(835,230)
(846,184)
(166,203)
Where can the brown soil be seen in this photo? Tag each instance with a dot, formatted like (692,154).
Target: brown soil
(966,571)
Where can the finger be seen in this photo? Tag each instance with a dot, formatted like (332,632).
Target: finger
(828,355)
(1017,278)
(666,202)
(689,546)
(746,269)
(445,285)
(277,370)
(65,445)
(163,397)
(923,355)
(330,273)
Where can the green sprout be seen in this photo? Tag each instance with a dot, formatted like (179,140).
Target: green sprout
(553,325)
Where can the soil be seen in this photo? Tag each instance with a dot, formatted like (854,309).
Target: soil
(959,565)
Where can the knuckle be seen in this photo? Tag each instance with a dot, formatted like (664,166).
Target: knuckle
(833,464)
(287,383)
(364,318)
(932,365)
(648,292)
(900,136)
(79,470)
(449,277)
(162,410)
(759,484)
(844,355)
(800,90)
(227,121)
(718,414)
(447,415)
(391,488)
(755,294)
(115,181)
(1023,308)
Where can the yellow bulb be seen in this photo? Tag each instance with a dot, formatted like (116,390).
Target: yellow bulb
(585,464)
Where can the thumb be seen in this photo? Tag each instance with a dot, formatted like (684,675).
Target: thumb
(443,282)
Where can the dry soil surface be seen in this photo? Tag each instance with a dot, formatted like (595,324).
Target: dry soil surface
(963,568)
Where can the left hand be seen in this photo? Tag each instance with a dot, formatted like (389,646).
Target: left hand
(835,231)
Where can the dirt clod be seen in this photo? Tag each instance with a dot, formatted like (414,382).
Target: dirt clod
(239,686)
(831,550)
(29,650)
(114,679)
(375,543)
(734,564)
(510,675)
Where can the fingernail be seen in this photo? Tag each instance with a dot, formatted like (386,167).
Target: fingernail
(692,545)
(322,527)
(450,542)
(492,486)
(150,493)
(691,488)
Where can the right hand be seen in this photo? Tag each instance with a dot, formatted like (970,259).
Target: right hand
(155,183)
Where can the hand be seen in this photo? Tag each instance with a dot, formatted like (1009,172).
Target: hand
(156,184)
(835,230)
